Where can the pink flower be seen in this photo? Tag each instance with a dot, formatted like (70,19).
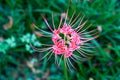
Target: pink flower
(70,40)
(68,43)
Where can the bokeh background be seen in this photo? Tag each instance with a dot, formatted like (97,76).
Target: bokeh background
(19,62)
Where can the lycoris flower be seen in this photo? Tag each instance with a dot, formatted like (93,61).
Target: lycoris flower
(70,39)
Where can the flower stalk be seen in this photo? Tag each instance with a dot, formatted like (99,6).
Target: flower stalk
(65,70)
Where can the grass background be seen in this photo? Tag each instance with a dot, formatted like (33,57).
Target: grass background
(19,62)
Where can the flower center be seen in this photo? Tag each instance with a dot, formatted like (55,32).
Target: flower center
(65,40)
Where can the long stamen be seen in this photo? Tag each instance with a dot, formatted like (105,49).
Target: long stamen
(40,50)
(72,17)
(53,21)
(46,55)
(88,47)
(46,44)
(90,39)
(66,16)
(79,58)
(91,35)
(85,29)
(82,49)
(56,60)
(73,59)
(42,31)
(60,22)
(80,23)
(37,48)
(75,19)
(76,60)
(71,63)
(94,30)
(47,24)
(81,53)
(68,65)
(76,22)
(50,56)
(42,44)
(81,26)
(86,44)
(86,53)
(60,60)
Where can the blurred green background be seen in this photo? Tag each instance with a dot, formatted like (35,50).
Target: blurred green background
(19,62)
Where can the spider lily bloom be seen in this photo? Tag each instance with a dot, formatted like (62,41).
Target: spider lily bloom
(70,39)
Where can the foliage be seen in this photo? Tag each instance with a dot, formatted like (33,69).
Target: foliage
(18,60)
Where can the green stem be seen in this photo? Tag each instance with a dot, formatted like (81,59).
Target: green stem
(65,70)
